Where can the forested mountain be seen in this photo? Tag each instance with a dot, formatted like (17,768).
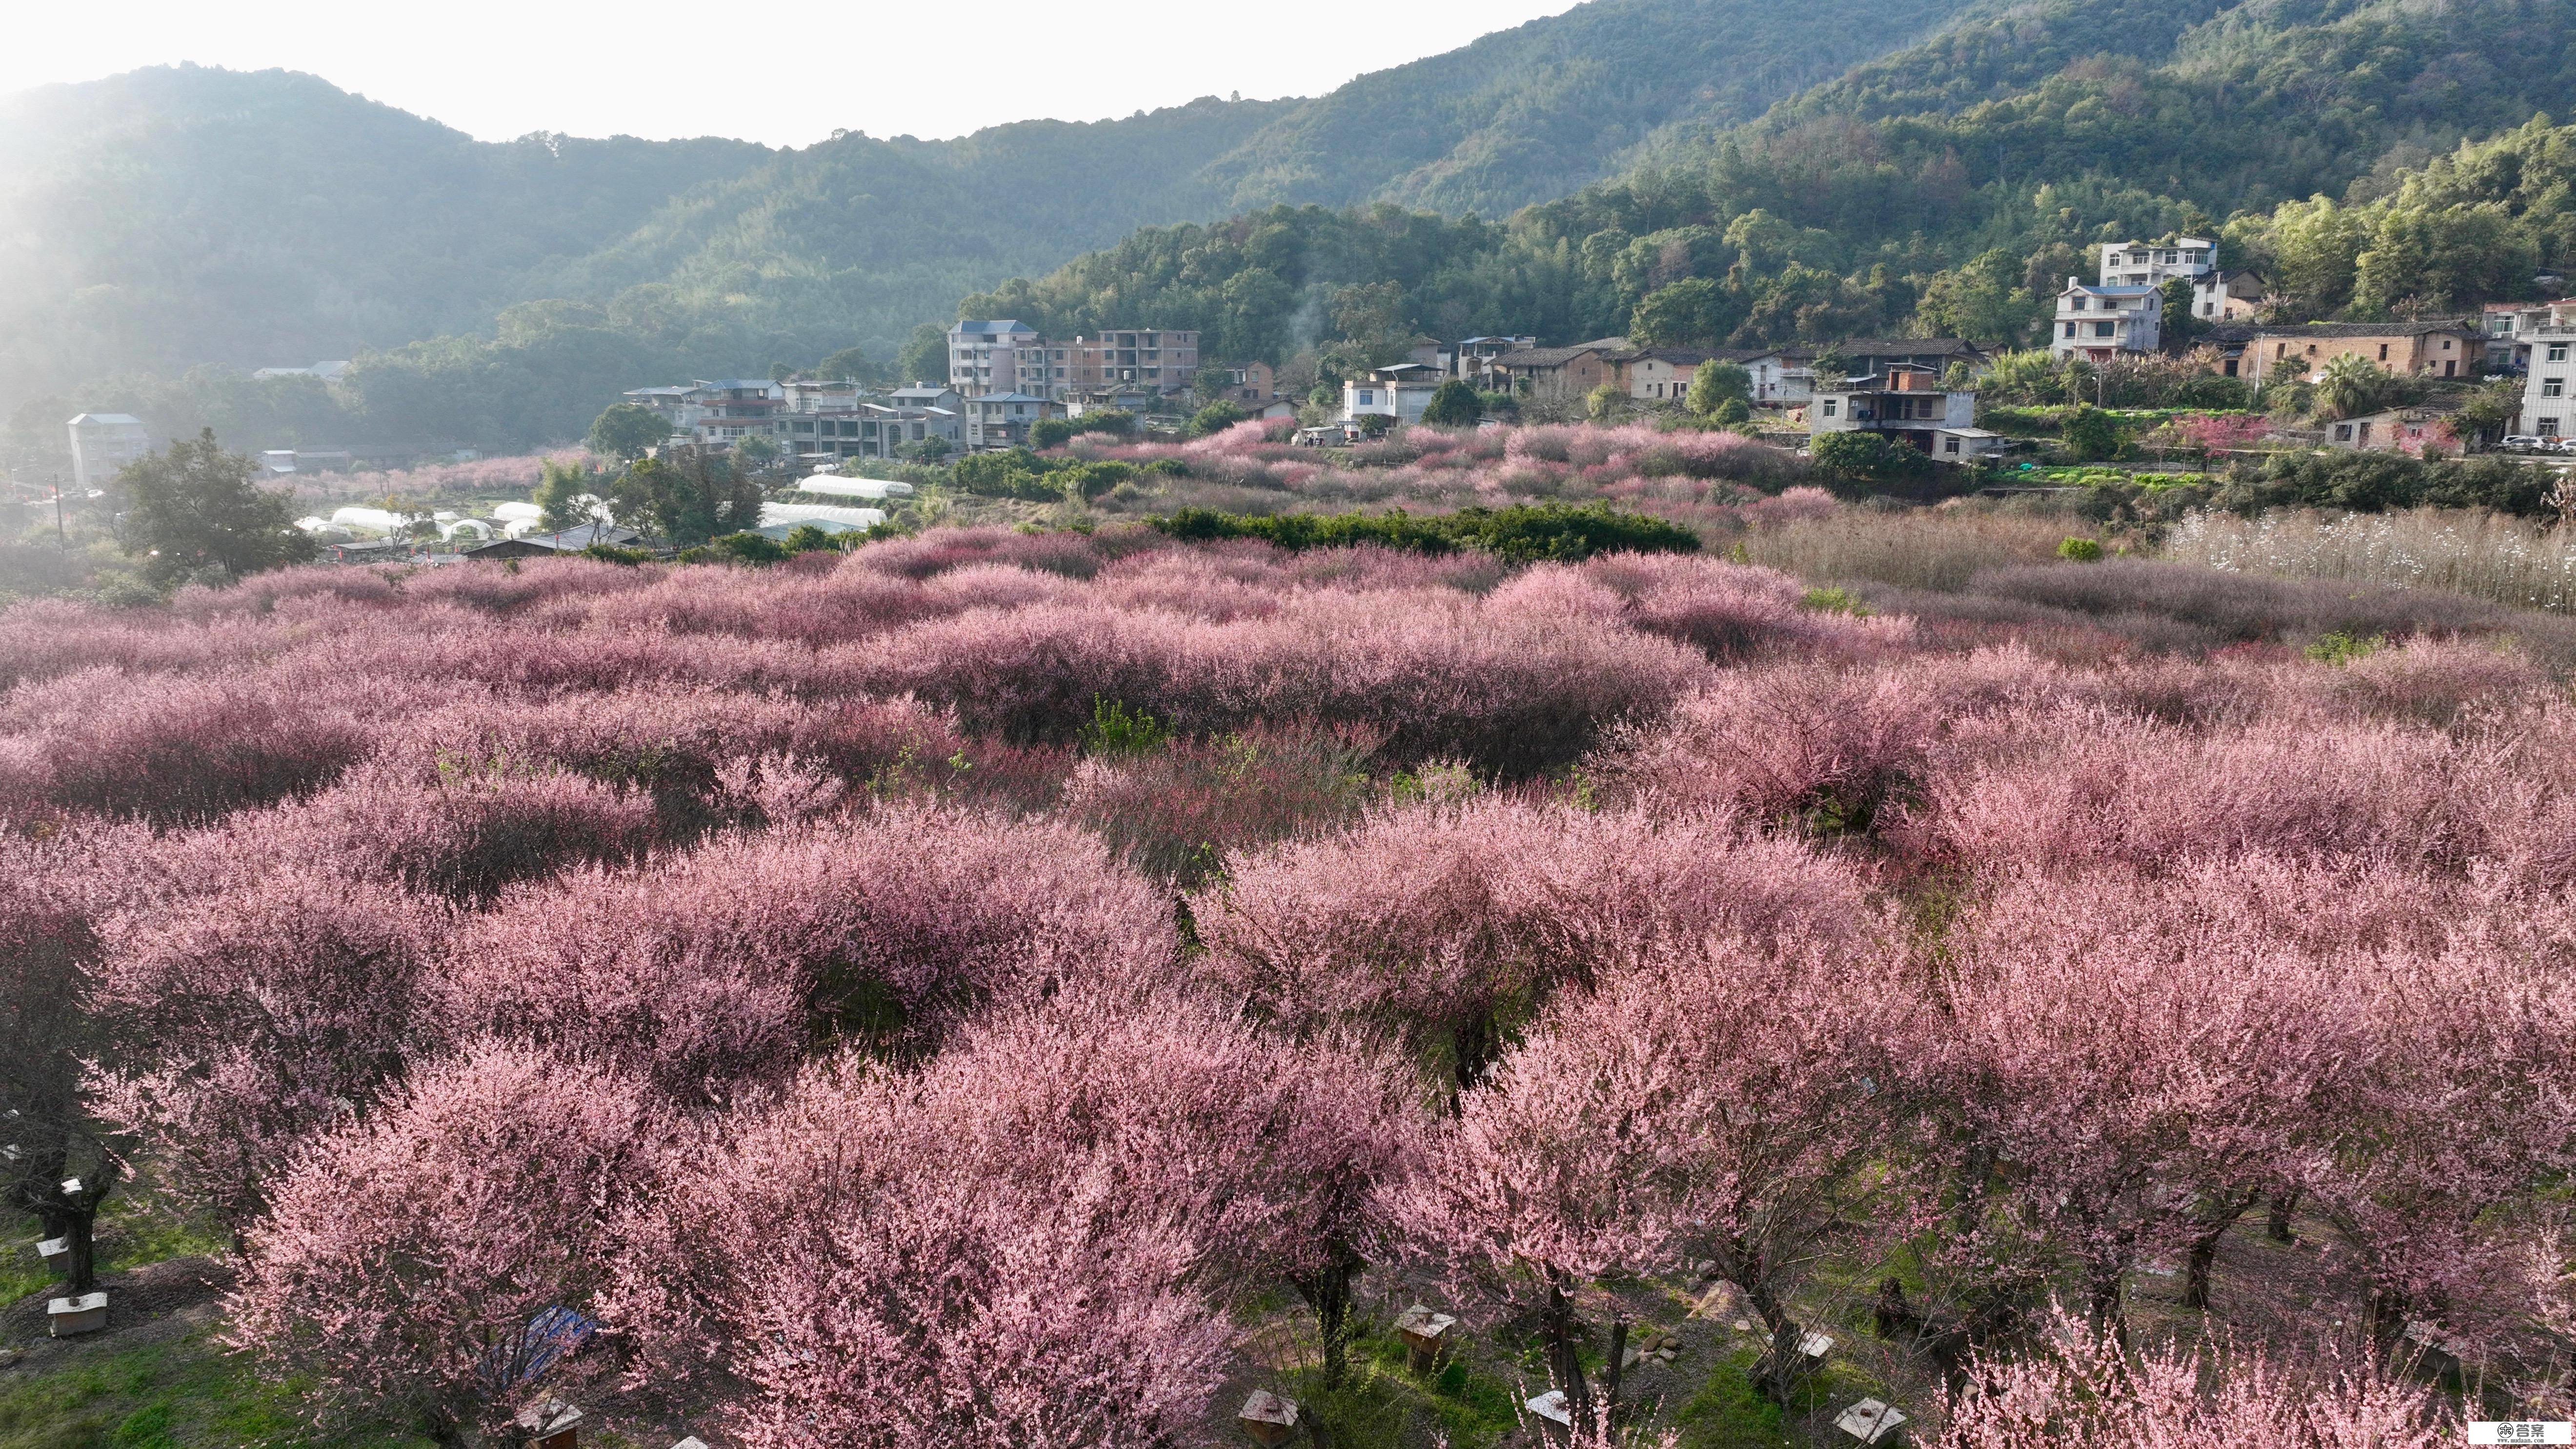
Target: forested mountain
(1532,113)
(192,218)
(179,216)
(1951,185)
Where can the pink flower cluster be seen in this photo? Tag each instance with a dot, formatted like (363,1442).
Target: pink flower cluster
(949,993)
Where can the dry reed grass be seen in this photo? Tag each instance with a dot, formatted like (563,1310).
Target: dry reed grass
(1939,549)
(2481,555)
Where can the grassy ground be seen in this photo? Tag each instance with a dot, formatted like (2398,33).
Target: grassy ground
(173,1395)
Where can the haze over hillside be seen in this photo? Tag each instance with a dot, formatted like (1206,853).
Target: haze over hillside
(176,217)
(1827,172)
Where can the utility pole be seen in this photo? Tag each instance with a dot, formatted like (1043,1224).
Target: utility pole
(59,540)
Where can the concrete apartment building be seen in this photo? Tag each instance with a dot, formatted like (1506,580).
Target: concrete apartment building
(985,356)
(103,443)
(1004,356)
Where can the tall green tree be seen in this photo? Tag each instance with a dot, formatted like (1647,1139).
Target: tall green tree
(1453,404)
(2350,385)
(570,495)
(924,357)
(686,495)
(195,507)
(628,431)
(1715,384)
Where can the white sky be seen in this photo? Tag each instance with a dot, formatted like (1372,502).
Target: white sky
(784,73)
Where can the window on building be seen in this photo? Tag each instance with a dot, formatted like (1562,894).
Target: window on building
(1829,407)
(2104,329)
(2553,387)
(2343,432)
(2383,352)
(2549,427)
(2077,305)
(2558,352)
(1949,445)
(2070,329)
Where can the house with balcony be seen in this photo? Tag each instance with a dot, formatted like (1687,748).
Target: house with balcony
(2101,320)
(1003,419)
(1475,359)
(1907,404)
(1400,392)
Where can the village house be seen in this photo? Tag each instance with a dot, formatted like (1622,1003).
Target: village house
(2546,410)
(2408,349)
(2217,295)
(1249,385)
(2421,429)
(1003,419)
(1400,392)
(1658,374)
(1476,357)
(2511,327)
(1561,373)
(2100,320)
(1907,404)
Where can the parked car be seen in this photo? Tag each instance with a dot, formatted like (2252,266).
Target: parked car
(2519,443)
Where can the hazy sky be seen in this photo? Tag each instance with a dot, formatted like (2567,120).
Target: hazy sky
(785,73)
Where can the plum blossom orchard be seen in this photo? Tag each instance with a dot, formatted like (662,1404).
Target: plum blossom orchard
(1028,988)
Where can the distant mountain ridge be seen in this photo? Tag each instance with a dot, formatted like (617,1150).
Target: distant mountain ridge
(181,216)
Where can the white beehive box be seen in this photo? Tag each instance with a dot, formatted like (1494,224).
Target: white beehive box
(1870,1421)
(85,1314)
(1268,1418)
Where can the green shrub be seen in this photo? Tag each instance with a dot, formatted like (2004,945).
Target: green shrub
(2340,648)
(1521,533)
(2090,434)
(1093,479)
(1836,601)
(1116,729)
(610,553)
(2081,550)
(1859,457)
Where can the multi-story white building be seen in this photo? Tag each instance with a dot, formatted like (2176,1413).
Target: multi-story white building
(1400,392)
(2152,264)
(2098,321)
(1907,404)
(2548,409)
(985,356)
(103,443)
(2217,295)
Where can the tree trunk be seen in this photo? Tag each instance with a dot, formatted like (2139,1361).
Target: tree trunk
(1328,1292)
(1617,1368)
(2103,1292)
(83,1233)
(2388,1311)
(1562,1363)
(2204,1250)
(1777,1374)
(1469,1045)
(1975,1170)
(2277,1222)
